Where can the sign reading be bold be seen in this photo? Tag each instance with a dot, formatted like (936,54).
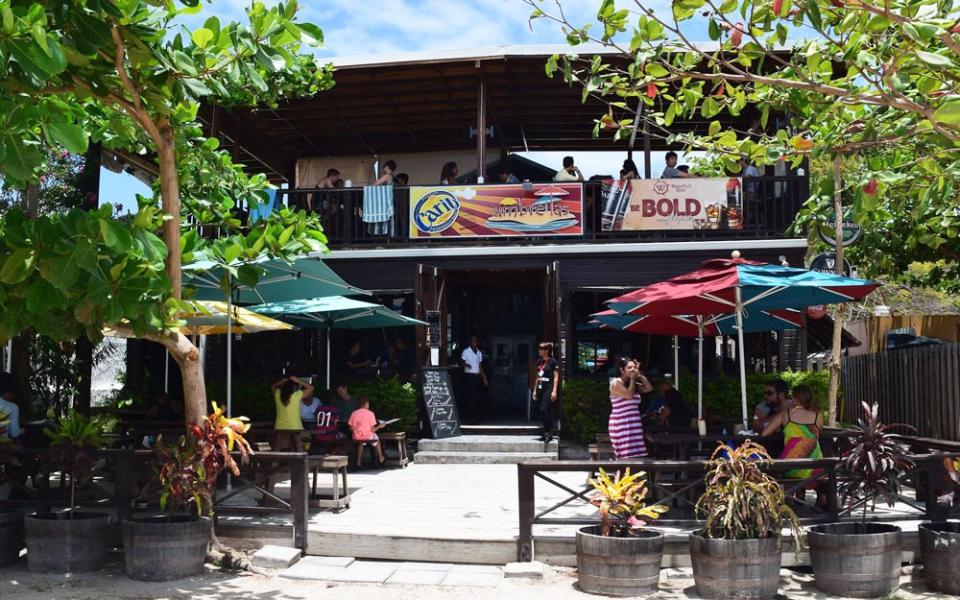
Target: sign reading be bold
(688,203)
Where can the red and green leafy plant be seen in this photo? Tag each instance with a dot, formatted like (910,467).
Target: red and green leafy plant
(741,501)
(73,440)
(620,502)
(873,465)
(188,469)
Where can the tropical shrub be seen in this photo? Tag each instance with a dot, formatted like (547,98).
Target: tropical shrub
(872,466)
(620,502)
(586,408)
(188,470)
(250,397)
(741,501)
(390,399)
(73,440)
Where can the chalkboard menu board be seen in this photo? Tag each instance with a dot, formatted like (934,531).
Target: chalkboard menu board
(433,328)
(440,403)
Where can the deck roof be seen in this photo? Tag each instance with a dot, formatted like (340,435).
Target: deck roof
(427,101)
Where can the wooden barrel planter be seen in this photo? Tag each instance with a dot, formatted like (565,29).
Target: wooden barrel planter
(618,566)
(11,536)
(858,560)
(940,548)
(164,548)
(74,542)
(735,568)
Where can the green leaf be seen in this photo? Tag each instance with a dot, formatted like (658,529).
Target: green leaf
(18,265)
(948,112)
(312,35)
(656,70)
(202,37)
(551,66)
(813,13)
(183,62)
(934,60)
(72,137)
(714,128)
(20,158)
(713,30)
(115,236)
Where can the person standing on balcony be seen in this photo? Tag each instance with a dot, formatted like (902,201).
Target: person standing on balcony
(671,171)
(569,172)
(387,173)
(401,180)
(331,181)
(629,170)
(448,174)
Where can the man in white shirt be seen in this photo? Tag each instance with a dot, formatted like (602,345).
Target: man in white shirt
(474,379)
(9,411)
(569,172)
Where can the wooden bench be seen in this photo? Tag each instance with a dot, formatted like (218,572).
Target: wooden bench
(336,466)
(603,449)
(400,439)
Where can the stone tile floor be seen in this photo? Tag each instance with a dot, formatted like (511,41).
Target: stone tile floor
(347,570)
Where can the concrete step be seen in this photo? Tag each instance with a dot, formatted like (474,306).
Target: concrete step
(481,458)
(488,443)
(524,430)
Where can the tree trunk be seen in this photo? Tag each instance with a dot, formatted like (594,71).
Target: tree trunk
(170,194)
(187,357)
(838,313)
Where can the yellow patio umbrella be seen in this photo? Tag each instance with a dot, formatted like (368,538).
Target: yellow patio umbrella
(217,318)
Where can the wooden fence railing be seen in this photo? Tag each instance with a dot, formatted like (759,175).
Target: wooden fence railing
(916,386)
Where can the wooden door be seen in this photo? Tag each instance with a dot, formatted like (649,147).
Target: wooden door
(430,295)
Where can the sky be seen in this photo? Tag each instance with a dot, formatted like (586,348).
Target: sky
(386,27)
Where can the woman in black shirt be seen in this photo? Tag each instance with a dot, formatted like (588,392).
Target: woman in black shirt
(548,384)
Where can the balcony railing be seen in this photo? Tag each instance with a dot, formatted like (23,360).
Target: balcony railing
(768,214)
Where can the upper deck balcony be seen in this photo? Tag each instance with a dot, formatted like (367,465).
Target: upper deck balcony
(767,213)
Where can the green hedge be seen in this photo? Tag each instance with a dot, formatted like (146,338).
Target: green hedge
(390,399)
(251,398)
(586,402)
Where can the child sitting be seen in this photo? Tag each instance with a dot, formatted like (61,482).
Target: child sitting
(364,425)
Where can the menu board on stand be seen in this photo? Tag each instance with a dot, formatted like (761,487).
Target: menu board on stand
(439,402)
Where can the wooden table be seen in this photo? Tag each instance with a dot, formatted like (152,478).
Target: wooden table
(681,443)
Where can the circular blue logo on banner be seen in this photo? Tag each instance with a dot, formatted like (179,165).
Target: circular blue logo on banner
(436,211)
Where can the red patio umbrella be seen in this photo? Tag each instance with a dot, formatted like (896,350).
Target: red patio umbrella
(736,285)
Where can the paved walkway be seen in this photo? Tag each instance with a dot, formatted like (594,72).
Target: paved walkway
(559,584)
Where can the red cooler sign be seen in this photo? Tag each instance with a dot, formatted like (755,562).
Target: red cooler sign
(688,203)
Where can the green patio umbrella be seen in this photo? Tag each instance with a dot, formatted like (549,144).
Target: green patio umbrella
(335,312)
(277,281)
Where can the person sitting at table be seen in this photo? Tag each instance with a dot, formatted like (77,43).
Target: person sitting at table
(357,364)
(801,426)
(449,173)
(626,426)
(163,409)
(308,408)
(364,426)
(673,413)
(775,400)
(287,395)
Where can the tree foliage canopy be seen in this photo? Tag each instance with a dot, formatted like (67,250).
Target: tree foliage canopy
(878,83)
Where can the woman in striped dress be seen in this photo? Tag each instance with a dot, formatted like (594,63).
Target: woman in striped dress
(626,428)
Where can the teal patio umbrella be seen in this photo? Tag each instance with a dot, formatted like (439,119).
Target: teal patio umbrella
(276,281)
(335,312)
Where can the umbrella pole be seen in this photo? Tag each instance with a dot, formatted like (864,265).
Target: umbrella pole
(699,370)
(327,335)
(166,371)
(676,363)
(742,359)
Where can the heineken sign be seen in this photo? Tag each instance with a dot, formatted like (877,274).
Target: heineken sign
(850,229)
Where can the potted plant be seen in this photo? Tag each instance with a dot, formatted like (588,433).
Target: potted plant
(861,559)
(187,476)
(619,557)
(940,542)
(70,541)
(11,521)
(737,552)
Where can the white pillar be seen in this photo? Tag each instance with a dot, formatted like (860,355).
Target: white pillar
(741,358)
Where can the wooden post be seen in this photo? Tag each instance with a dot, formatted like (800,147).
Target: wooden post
(647,167)
(481,126)
(298,499)
(838,313)
(527,504)
(89,186)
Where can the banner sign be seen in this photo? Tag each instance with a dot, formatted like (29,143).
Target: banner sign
(683,203)
(530,210)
